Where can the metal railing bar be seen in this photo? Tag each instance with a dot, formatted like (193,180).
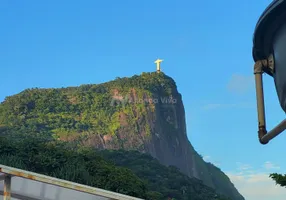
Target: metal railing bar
(65,184)
(22,197)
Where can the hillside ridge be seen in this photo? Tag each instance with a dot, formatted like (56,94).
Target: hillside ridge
(143,113)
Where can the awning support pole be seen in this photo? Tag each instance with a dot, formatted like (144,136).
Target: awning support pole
(263,136)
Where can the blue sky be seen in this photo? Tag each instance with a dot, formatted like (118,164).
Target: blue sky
(206,47)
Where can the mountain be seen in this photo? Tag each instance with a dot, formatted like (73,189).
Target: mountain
(143,113)
(140,175)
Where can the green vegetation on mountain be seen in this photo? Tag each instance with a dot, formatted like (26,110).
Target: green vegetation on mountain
(168,181)
(75,111)
(127,113)
(133,174)
(37,154)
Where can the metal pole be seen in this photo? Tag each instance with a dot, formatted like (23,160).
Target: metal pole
(7,187)
(274,132)
(260,99)
(263,136)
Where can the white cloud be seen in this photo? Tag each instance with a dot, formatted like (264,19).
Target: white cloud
(216,105)
(216,163)
(243,167)
(212,106)
(210,160)
(240,84)
(270,166)
(255,184)
(206,158)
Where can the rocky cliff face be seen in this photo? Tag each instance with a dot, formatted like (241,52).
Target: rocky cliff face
(167,138)
(143,113)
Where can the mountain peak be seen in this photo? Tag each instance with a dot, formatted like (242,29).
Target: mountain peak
(143,113)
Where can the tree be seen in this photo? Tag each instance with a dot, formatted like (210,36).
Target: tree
(279,179)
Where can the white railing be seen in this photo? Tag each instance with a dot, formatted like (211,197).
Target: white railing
(19,184)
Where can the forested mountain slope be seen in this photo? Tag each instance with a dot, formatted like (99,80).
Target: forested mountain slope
(143,113)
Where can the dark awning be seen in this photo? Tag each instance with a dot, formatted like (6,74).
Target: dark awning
(271,19)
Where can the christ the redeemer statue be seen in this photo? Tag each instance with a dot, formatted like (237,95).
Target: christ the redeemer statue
(158,61)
